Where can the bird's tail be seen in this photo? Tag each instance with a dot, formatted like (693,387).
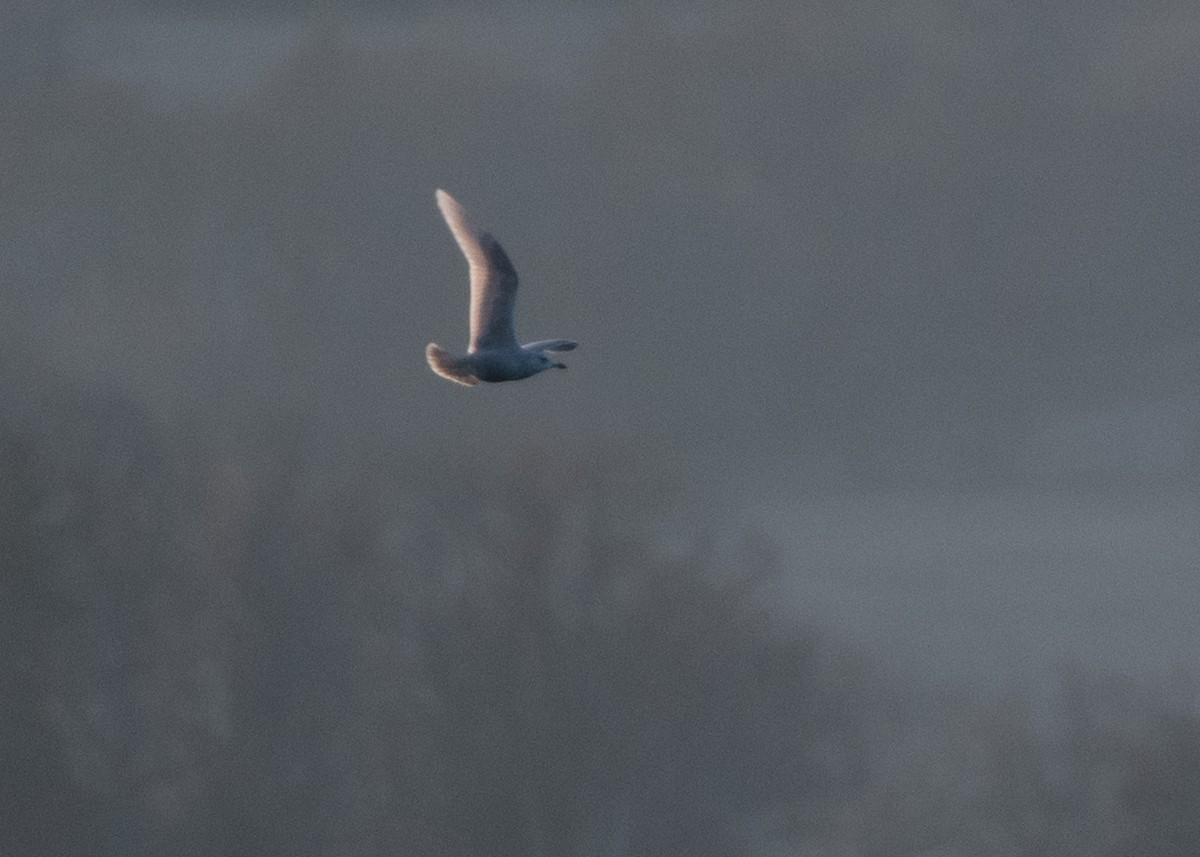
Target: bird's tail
(448,366)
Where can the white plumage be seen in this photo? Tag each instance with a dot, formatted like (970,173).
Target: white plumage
(493,354)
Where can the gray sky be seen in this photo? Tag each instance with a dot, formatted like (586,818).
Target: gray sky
(863,522)
(893,237)
(921,246)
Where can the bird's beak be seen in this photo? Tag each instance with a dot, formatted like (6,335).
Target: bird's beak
(560,365)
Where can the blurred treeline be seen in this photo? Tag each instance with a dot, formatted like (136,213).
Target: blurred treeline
(261,648)
(234,626)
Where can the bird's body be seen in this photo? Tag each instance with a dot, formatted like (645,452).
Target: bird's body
(489,365)
(493,354)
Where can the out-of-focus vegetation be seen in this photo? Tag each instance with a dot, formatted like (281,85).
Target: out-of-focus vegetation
(257,648)
(266,587)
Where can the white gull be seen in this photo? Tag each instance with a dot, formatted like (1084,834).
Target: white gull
(493,354)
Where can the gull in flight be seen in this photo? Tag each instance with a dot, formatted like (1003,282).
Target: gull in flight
(493,354)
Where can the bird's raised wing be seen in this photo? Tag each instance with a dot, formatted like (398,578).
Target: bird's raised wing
(493,279)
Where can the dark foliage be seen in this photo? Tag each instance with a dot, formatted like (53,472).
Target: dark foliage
(269,652)
(248,606)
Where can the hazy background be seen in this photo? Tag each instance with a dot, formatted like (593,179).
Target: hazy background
(864,522)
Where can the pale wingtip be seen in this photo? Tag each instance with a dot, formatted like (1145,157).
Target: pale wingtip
(450,207)
(446,365)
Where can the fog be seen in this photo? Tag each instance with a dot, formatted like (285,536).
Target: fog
(863,522)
